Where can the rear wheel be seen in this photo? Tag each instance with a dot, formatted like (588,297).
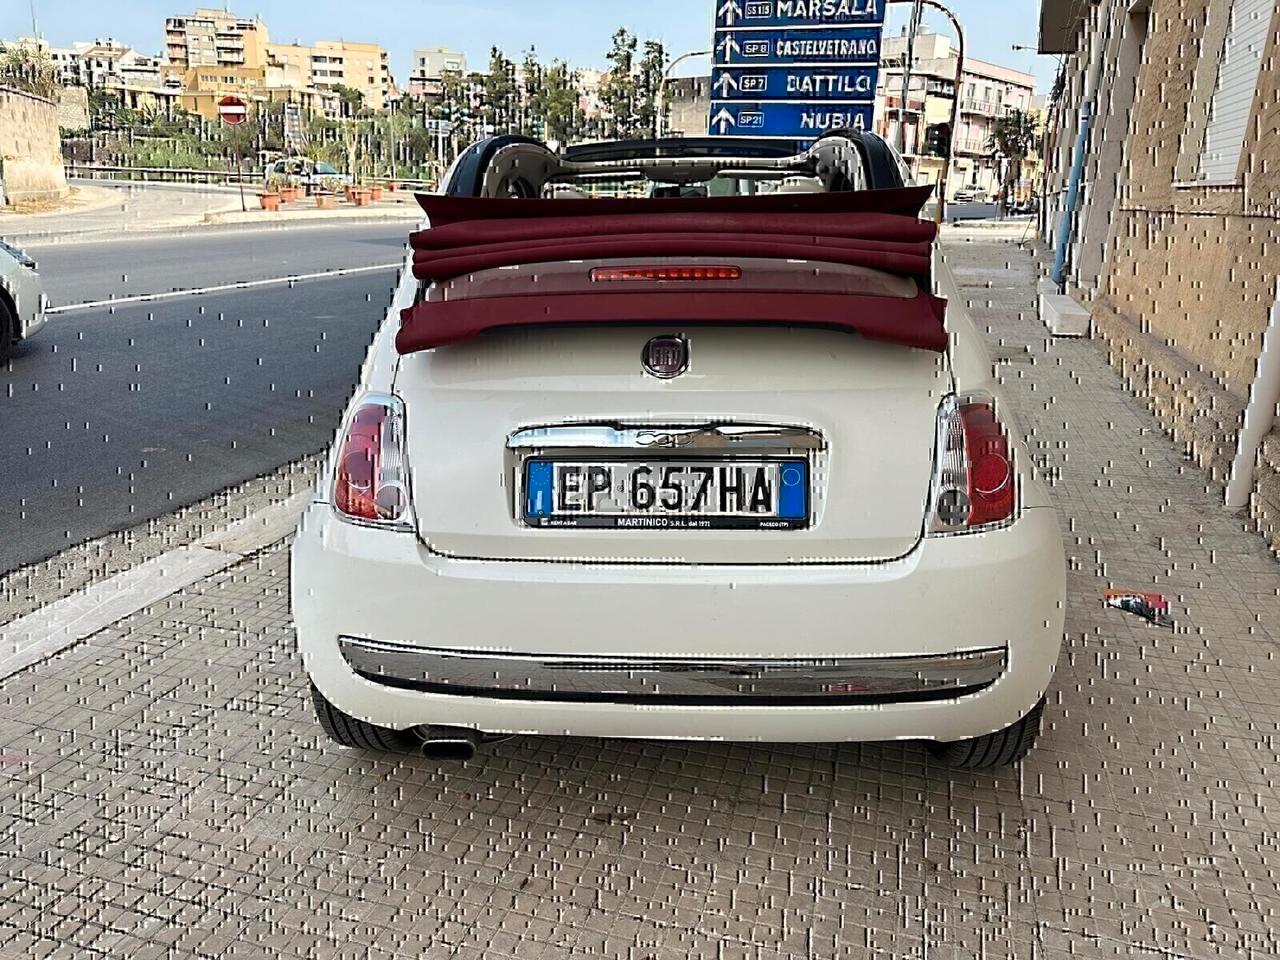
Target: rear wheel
(995,749)
(8,330)
(351,731)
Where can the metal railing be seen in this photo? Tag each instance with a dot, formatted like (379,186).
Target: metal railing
(986,107)
(100,171)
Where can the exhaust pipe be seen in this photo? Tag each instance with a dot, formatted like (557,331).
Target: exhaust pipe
(448,743)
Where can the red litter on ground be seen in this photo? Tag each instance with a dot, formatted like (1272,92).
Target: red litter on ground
(1152,607)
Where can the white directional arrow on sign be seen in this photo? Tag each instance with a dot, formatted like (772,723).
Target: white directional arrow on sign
(730,11)
(725,84)
(728,47)
(724,119)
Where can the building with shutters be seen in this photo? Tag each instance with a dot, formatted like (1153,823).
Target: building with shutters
(214,38)
(988,91)
(1162,213)
(328,64)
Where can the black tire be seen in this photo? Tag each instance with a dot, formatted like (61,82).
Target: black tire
(995,749)
(8,331)
(350,731)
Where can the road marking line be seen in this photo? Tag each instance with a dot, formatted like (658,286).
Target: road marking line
(223,287)
(51,629)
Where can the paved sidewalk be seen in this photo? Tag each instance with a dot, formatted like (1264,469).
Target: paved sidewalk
(165,792)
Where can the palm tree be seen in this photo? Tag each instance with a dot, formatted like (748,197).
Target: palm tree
(1012,138)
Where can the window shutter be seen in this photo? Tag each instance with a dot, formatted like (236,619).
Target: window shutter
(1237,81)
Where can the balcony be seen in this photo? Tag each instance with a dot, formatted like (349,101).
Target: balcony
(987,108)
(972,146)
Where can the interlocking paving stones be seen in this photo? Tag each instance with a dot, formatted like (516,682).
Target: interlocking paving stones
(166,792)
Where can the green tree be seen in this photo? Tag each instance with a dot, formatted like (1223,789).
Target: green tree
(103,108)
(533,112)
(29,68)
(500,92)
(561,103)
(351,100)
(1012,138)
(618,90)
(653,64)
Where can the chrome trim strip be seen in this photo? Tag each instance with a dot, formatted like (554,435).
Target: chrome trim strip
(674,679)
(726,437)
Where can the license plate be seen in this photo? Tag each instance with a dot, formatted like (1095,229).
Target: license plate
(668,494)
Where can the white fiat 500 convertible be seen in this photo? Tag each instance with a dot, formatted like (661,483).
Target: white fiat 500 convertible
(716,456)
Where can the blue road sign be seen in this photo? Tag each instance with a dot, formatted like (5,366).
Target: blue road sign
(789,119)
(794,69)
(790,13)
(794,83)
(811,45)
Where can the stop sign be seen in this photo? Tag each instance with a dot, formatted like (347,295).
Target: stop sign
(232,110)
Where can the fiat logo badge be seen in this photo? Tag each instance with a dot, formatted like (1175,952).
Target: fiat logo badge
(666,356)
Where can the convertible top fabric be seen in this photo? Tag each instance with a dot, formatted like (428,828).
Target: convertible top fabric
(876,229)
(903,201)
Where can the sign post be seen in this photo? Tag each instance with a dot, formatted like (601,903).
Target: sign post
(794,70)
(234,112)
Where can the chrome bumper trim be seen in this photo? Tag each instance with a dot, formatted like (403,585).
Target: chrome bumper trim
(563,677)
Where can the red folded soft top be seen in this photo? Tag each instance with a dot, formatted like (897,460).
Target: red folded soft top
(874,229)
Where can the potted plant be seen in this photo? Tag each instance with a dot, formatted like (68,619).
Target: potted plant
(270,197)
(326,196)
(363,196)
(375,191)
(291,191)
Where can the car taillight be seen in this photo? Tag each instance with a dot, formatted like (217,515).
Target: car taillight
(974,482)
(369,483)
(669,272)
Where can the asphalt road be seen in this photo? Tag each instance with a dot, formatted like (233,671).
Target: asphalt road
(112,416)
(102,269)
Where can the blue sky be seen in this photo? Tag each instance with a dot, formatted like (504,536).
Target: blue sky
(575,30)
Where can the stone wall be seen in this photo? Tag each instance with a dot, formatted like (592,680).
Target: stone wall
(1189,274)
(29,147)
(73,108)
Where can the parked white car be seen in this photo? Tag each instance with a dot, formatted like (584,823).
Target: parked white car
(304,172)
(21,298)
(674,527)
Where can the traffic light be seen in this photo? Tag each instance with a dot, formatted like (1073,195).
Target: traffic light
(937,139)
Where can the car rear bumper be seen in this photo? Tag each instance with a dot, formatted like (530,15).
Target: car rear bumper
(589,678)
(958,639)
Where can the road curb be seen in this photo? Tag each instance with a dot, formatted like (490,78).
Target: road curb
(52,629)
(406,212)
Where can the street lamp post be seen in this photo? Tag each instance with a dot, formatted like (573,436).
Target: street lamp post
(955,100)
(660,122)
(908,61)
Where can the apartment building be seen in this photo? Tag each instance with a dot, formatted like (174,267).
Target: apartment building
(433,63)
(930,90)
(987,92)
(365,67)
(1163,216)
(203,87)
(137,80)
(211,37)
